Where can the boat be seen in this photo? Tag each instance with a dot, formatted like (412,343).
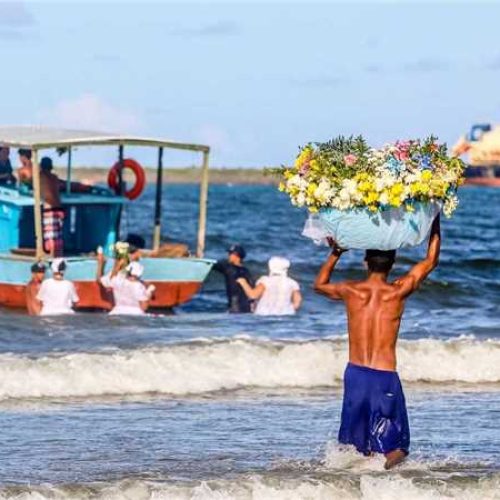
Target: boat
(92,220)
(482,147)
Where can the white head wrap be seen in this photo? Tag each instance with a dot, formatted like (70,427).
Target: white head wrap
(135,269)
(278,266)
(58,265)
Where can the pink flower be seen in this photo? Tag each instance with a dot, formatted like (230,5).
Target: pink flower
(350,159)
(304,168)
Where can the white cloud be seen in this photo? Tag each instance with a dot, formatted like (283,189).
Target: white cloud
(90,112)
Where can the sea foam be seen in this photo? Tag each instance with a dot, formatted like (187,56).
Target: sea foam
(214,365)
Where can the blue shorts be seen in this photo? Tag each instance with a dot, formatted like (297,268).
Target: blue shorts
(374,417)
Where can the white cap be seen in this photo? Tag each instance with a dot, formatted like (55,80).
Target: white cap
(278,266)
(58,265)
(135,269)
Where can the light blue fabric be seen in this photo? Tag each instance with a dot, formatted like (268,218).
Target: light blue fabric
(361,229)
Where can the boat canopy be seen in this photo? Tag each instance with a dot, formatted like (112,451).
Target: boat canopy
(39,137)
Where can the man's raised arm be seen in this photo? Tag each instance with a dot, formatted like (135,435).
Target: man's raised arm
(420,271)
(322,283)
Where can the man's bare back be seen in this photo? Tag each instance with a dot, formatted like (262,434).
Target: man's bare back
(374,311)
(375,306)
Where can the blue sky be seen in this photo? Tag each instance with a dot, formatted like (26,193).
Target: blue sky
(253,80)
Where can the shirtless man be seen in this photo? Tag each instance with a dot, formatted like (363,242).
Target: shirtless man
(374,417)
(52,212)
(33,305)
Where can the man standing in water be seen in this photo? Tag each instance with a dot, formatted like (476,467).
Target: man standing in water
(234,269)
(374,417)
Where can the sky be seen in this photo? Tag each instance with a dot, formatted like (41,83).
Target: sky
(252,80)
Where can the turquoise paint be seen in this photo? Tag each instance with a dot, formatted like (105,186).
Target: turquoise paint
(17,271)
(97,211)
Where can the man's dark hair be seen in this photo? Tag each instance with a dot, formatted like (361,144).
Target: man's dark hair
(380,261)
(135,241)
(46,164)
(25,152)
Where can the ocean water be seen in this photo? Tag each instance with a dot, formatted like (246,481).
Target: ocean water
(205,405)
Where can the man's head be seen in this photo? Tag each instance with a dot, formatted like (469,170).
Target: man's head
(38,271)
(46,164)
(380,261)
(4,153)
(236,254)
(136,244)
(24,153)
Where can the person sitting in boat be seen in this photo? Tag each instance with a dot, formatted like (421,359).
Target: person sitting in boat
(57,294)
(277,294)
(131,296)
(232,269)
(6,176)
(33,305)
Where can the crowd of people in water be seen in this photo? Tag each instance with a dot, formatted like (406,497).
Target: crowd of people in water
(274,294)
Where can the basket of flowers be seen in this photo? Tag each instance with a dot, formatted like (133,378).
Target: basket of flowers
(367,198)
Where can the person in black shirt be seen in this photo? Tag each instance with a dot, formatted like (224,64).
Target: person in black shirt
(233,269)
(6,175)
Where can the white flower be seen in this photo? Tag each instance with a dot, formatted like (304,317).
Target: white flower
(384,199)
(450,205)
(301,199)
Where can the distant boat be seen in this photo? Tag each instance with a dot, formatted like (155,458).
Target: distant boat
(92,219)
(482,147)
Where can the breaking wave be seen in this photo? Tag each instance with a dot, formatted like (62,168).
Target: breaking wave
(271,486)
(208,365)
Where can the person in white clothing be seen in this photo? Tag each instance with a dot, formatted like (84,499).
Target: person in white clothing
(57,295)
(277,294)
(130,294)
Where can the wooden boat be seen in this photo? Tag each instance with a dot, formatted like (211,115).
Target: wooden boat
(482,147)
(92,219)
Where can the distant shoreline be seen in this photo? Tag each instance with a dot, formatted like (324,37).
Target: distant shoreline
(189,175)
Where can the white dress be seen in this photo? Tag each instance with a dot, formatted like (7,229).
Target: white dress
(57,297)
(128,294)
(277,297)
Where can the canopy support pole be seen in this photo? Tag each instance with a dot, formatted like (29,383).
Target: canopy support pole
(202,224)
(37,206)
(120,190)
(159,189)
(68,173)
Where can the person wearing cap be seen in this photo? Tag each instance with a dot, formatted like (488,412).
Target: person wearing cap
(130,294)
(33,305)
(233,269)
(57,294)
(277,294)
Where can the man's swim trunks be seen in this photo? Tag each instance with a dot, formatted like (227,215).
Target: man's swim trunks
(374,417)
(53,222)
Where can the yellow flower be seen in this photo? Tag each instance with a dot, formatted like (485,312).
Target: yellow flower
(426,175)
(397,189)
(311,188)
(409,208)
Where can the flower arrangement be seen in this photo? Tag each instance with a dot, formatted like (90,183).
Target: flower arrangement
(346,174)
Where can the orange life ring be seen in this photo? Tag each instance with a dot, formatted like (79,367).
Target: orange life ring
(140,178)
